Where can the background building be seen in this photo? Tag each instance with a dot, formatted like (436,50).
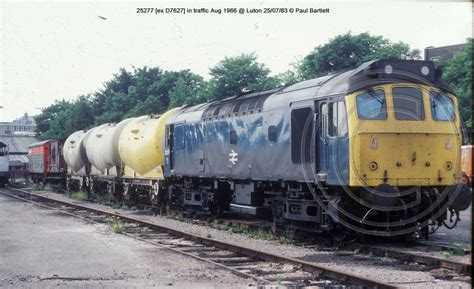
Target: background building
(443,52)
(24,125)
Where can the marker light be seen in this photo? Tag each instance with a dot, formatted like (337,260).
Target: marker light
(388,69)
(425,70)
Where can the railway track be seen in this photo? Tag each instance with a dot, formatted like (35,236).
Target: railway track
(264,268)
(390,250)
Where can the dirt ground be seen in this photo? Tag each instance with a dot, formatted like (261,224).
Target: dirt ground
(42,248)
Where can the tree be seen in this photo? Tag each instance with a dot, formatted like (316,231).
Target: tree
(67,118)
(458,74)
(233,74)
(48,114)
(80,115)
(349,51)
(186,91)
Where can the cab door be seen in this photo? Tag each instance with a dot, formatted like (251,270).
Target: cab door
(169,132)
(322,138)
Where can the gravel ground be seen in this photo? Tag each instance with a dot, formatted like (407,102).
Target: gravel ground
(384,269)
(40,248)
(461,234)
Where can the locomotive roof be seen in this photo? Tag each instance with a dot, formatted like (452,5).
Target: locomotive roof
(368,74)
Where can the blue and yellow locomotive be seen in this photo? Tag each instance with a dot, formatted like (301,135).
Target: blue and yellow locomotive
(375,150)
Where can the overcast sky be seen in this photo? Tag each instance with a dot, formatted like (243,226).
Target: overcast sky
(52,51)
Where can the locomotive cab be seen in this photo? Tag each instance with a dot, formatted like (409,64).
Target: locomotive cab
(404,150)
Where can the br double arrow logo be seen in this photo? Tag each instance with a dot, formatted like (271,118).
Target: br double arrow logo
(233,157)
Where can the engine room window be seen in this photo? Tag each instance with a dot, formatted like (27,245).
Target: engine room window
(408,103)
(442,107)
(233,137)
(272,133)
(301,134)
(179,137)
(337,119)
(372,105)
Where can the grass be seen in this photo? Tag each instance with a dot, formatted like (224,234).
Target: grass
(80,196)
(195,232)
(116,224)
(52,188)
(279,280)
(260,234)
(446,254)
(21,183)
(38,186)
(459,249)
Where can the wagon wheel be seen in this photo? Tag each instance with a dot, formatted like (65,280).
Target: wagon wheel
(130,195)
(153,195)
(110,190)
(126,192)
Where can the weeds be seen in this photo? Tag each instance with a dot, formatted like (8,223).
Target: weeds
(80,196)
(116,224)
(21,183)
(38,186)
(52,188)
(446,254)
(195,232)
(459,249)
(279,280)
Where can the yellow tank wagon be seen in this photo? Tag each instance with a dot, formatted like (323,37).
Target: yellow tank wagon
(141,148)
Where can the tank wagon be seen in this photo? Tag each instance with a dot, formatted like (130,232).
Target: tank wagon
(46,162)
(4,164)
(141,147)
(373,150)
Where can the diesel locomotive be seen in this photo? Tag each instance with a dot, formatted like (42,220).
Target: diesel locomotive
(373,150)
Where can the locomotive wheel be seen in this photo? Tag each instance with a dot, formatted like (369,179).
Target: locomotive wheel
(215,208)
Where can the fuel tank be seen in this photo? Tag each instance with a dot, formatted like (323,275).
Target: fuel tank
(74,151)
(141,145)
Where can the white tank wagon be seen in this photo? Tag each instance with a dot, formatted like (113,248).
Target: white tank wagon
(75,154)
(102,147)
(78,164)
(91,144)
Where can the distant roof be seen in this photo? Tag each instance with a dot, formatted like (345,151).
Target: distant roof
(37,144)
(17,160)
(17,143)
(24,119)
